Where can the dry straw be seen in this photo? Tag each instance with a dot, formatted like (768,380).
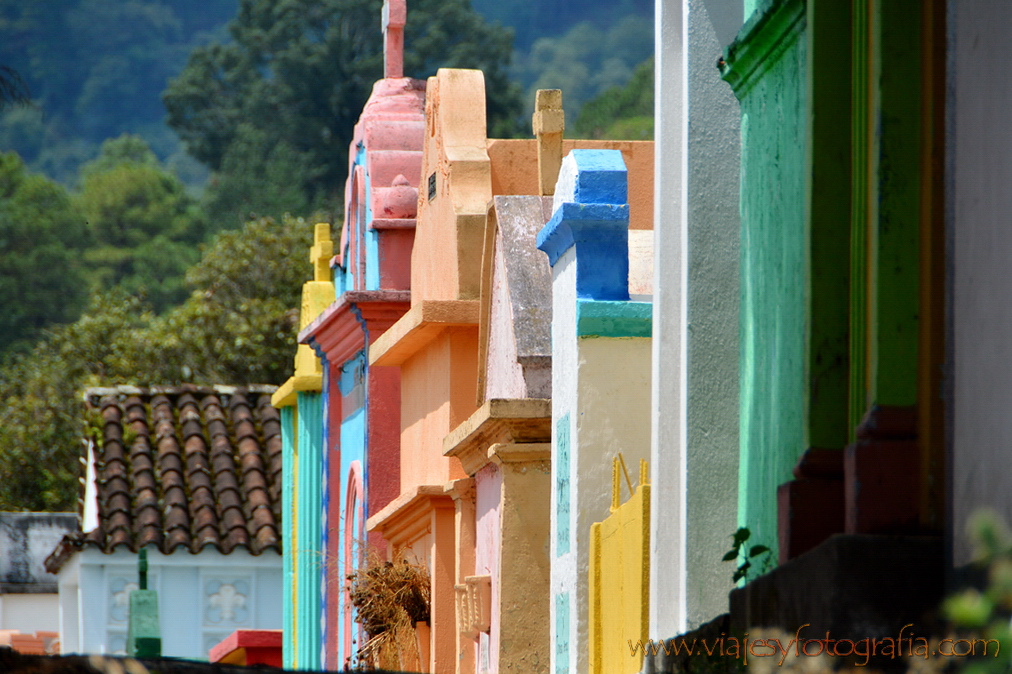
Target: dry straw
(390,598)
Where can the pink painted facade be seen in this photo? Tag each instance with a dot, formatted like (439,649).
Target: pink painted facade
(372,280)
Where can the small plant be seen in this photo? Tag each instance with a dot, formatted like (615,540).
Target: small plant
(737,552)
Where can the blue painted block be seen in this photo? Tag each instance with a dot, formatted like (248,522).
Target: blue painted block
(591,213)
(592,177)
(600,233)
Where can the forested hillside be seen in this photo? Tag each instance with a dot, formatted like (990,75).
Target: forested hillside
(156,188)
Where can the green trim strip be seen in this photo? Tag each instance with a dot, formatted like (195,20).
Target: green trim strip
(288,537)
(761,42)
(600,318)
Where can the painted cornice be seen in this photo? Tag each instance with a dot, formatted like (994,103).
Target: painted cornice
(417,328)
(768,33)
(502,431)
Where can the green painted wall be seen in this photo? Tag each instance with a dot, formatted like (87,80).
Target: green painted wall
(895,236)
(828,34)
(310,531)
(767,69)
(287,521)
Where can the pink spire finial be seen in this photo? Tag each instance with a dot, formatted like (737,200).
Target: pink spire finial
(395,15)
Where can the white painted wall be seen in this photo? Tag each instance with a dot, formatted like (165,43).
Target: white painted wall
(195,611)
(28,613)
(603,384)
(979,199)
(694,455)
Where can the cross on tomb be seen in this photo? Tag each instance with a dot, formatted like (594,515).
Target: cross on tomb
(395,14)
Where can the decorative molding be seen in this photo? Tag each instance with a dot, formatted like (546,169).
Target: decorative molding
(423,323)
(769,32)
(474,605)
(516,429)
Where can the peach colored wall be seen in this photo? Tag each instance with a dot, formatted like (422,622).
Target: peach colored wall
(446,259)
(437,394)
(512,173)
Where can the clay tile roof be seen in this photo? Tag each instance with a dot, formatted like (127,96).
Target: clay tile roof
(184,468)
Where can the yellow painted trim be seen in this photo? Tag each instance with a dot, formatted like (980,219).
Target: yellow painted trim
(618,607)
(419,326)
(287,393)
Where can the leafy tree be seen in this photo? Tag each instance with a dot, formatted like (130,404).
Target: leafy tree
(144,225)
(41,281)
(621,113)
(237,327)
(285,93)
(96,69)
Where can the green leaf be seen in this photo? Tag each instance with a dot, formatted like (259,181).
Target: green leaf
(758,550)
(731,556)
(741,536)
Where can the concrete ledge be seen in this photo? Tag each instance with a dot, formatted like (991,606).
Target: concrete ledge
(419,326)
(597,318)
(406,517)
(502,426)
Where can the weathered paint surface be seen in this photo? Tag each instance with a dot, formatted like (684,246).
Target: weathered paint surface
(523,592)
(773,259)
(289,539)
(517,311)
(488,492)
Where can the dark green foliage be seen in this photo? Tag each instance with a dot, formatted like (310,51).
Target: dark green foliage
(41,279)
(144,227)
(621,113)
(272,111)
(95,69)
(237,327)
(745,555)
(550,18)
(586,61)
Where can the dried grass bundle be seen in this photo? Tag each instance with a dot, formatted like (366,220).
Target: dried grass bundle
(390,598)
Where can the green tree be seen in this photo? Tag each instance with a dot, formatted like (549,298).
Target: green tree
(96,69)
(621,113)
(41,280)
(143,224)
(237,327)
(285,93)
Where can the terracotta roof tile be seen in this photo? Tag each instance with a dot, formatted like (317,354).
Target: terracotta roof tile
(185,467)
